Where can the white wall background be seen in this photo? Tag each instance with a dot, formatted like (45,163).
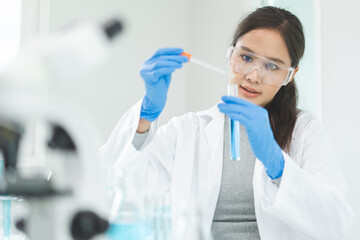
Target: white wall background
(149,25)
(9,29)
(341,84)
(204,28)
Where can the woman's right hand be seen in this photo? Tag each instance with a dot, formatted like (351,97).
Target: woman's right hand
(156,73)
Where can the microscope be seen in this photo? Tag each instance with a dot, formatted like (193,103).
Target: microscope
(69,202)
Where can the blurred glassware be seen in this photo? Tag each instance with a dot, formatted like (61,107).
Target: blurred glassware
(12,209)
(190,223)
(127,219)
(158,216)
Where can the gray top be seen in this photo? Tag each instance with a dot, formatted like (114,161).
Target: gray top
(139,139)
(234,216)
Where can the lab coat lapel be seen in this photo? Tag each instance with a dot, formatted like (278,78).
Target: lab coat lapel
(210,156)
(212,127)
(258,177)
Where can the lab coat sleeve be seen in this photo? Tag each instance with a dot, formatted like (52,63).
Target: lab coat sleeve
(311,196)
(151,164)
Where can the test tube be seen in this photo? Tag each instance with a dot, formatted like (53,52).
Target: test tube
(234,128)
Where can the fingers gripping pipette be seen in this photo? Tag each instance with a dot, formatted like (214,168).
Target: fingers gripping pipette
(205,65)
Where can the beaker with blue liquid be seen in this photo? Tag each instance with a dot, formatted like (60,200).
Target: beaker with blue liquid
(10,210)
(127,219)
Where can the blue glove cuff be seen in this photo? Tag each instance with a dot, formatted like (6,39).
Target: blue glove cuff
(276,163)
(148,112)
(149,116)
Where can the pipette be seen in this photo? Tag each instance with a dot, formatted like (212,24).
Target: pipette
(205,65)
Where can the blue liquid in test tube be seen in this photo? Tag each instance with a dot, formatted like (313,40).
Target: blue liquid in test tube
(234,128)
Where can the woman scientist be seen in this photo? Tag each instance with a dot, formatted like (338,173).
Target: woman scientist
(287,184)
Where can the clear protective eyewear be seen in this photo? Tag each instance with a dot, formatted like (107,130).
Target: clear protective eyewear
(270,72)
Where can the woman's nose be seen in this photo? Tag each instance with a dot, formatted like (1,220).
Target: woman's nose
(253,76)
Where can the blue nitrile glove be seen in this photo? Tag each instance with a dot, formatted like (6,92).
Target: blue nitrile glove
(261,138)
(156,73)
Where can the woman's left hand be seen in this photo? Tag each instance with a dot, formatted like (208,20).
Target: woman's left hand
(261,138)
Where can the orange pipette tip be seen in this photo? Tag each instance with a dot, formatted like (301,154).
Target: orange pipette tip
(188,55)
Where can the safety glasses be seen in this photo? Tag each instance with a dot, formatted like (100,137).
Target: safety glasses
(270,72)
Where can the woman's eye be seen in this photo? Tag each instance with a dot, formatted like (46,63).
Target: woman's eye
(246,58)
(271,66)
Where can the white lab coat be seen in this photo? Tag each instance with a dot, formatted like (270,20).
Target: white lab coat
(308,204)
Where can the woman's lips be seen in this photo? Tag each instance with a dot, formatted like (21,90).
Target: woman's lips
(249,92)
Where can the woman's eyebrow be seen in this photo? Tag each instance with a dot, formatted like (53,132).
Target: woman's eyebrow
(273,59)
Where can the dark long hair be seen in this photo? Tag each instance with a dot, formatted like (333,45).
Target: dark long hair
(282,109)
